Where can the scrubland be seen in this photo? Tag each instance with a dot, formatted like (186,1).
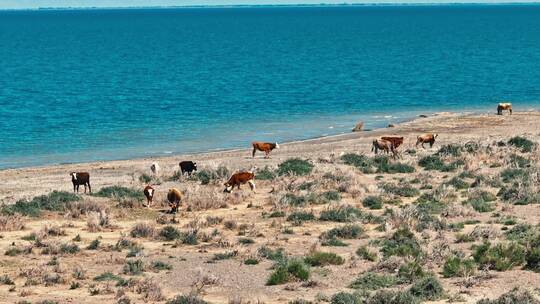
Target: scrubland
(329,222)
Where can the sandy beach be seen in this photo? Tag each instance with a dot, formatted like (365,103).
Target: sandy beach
(237,225)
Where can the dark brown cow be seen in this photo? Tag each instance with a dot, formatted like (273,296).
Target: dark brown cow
(264,147)
(149,193)
(395,140)
(80,178)
(238,179)
(504,106)
(426,138)
(175,198)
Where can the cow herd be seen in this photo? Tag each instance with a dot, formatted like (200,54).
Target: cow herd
(385,144)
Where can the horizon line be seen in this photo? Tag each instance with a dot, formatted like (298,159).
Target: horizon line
(509,3)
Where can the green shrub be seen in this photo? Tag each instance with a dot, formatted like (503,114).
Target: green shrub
(374,281)
(159,265)
(119,192)
(372,202)
(342,214)
(344,232)
(522,143)
(145,178)
(188,299)
(383,164)
(345,298)
(69,248)
(169,233)
(265,174)
(295,166)
(300,216)
(334,242)
(6,280)
(331,195)
(205,176)
(54,201)
(511,174)
(411,271)
(455,266)
(402,243)
(288,270)
(480,205)
(501,257)
(224,256)
(402,189)
(108,276)
(290,199)
(246,241)
(366,254)
(392,297)
(251,261)
(518,161)
(515,296)
(458,183)
(428,288)
(142,230)
(361,162)
(319,258)
(94,245)
(451,149)
(434,162)
(274,255)
(133,267)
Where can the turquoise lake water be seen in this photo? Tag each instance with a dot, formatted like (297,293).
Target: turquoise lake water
(83,85)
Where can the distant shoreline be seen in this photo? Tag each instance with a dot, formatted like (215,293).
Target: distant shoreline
(373,4)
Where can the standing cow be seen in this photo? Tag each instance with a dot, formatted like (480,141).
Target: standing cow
(149,193)
(504,106)
(155,168)
(175,198)
(80,178)
(264,147)
(187,166)
(381,144)
(426,138)
(238,179)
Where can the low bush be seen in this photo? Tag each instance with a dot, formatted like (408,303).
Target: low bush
(159,265)
(402,189)
(434,162)
(142,230)
(186,299)
(344,232)
(300,216)
(295,166)
(366,254)
(342,214)
(456,266)
(373,202)
(169,233)
(374,281)
(524,144)
(334,242)
(54,201)
(512,174)
(451,149)
(319,258)
(119,192)
(428,288)
(515,296)
(206,176)
(272,254)
(402,243)
(346,298)
(501,257)
(293,200)
(288,270)
(411,271)
(133,267)
(392,297)
(457,183)
(265,174)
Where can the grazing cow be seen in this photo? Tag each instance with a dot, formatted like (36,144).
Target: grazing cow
(187,166)
(426,138)
(80,178)
(175,198)
(395,140)
(155,168)
(238,179)
(149,193)
(504,106)
(264,147)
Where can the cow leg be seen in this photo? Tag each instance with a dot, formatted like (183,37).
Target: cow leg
(266,154)
(510,111)
(431,144)
(77,188)
(89,188)
(74,187)
(253,153)
(251,185)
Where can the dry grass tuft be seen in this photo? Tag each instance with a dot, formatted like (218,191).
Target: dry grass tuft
(11,222)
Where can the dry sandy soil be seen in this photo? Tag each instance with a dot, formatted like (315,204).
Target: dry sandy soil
(224,222)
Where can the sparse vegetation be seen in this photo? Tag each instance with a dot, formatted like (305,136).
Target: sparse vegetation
(119,192)
(295,166)
(288,270)
(319,258)
(54,201)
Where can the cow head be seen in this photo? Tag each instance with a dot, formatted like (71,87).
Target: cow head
(228,188)
(73,176)
(435,135)
(194,166)
(277,145)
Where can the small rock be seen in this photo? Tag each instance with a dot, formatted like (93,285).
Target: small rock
(391,125)
(422,115)
(359,126)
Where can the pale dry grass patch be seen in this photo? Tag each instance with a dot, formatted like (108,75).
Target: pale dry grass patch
(204,197)
(97,221)
(11,222)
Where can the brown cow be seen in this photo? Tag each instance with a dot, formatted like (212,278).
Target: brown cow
(238,179)
(80,178)
(395,140)
(504,106)
(381,144)
(149,193)
(175,198)
(426,138)
(264,147)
